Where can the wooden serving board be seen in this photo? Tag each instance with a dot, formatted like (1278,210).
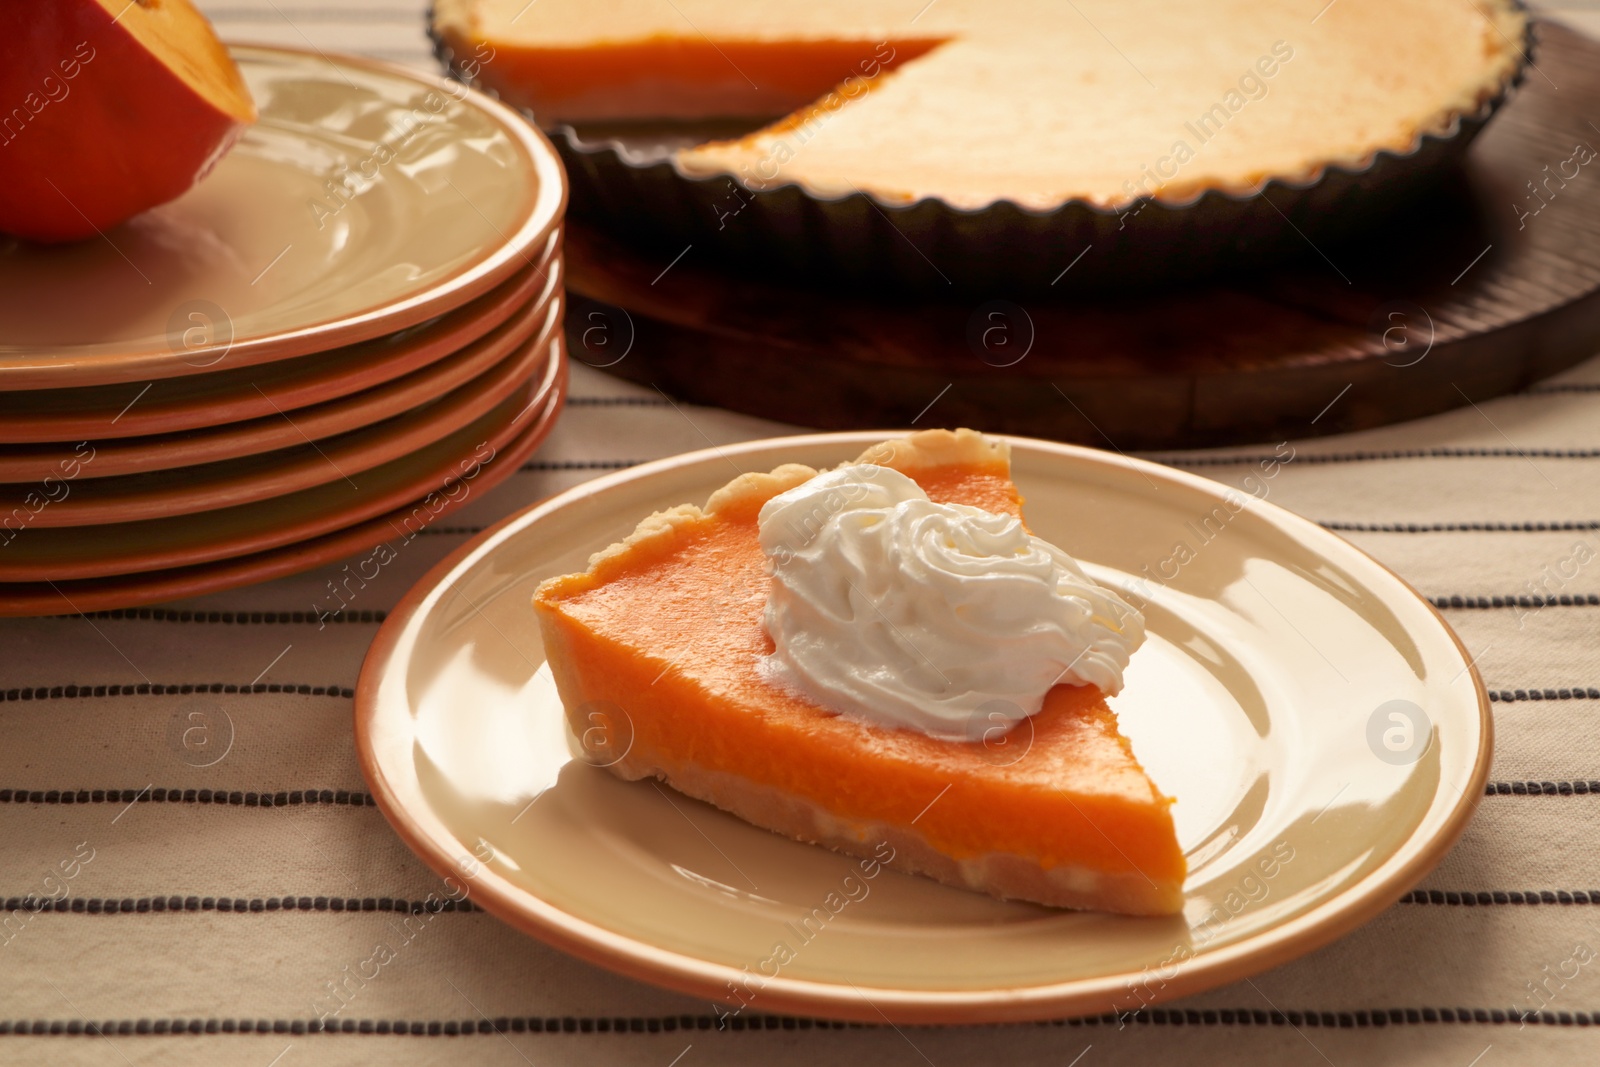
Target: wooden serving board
(1485,286)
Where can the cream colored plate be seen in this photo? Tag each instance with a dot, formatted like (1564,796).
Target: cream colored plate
(74,553)
(1322,729)
(464,478)
(367,199)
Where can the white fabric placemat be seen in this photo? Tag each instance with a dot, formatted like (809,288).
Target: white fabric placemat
(183,779)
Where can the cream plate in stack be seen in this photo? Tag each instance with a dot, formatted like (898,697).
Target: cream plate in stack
(357,312)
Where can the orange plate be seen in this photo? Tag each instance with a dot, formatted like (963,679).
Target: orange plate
(65,598)
(34,463)
(75,553)
(234,394)
(207,487)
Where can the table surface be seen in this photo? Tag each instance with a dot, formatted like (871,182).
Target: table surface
(221,916)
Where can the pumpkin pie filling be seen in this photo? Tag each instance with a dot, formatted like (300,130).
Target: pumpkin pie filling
(667,628)
(1031,101)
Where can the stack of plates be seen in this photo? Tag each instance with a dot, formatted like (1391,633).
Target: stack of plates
(349,329)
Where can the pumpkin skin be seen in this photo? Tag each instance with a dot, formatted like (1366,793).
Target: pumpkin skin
(108,108)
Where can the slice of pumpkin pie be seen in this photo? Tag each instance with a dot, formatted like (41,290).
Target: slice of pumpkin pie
(879,653)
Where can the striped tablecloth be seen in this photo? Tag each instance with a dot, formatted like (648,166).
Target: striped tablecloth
(214,885)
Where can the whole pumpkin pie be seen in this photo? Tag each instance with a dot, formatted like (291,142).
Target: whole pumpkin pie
(1033,101)
(849,659)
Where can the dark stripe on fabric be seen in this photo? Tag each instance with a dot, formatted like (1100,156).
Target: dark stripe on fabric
(1565,600)
(1512,696)
(618,402)
(84,692)
(238,618)
(1576,788)
(34,905)
(1370,1018)
(1553,526)
(582,464)
(357,799)
(232,798)
(1311,460)
(1491,898)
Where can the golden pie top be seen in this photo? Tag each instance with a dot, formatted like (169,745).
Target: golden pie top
(973,101)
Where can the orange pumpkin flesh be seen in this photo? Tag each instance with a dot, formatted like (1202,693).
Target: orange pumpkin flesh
(111,108)
(670,633)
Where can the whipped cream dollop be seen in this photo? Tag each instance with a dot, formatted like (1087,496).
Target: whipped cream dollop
(945,618)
